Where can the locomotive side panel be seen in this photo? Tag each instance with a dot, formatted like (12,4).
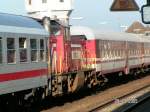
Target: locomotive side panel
(91,53)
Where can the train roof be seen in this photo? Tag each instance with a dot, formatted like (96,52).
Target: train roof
(20,24)
(96,34)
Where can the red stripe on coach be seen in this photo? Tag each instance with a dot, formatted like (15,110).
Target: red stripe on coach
(22,75)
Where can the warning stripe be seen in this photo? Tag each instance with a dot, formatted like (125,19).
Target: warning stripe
(22,75)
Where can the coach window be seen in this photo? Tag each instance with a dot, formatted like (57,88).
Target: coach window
(129,52)
(102,54)
(134,53)
(122,53)
(118,53)
(115,53)
(147,52)
(23,49)
(0,50)
(109,54)
(137,52)
(105,54)
(46,52)
(11,50)
(42,52)
(33,46)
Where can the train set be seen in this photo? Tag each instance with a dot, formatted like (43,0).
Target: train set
(35,63)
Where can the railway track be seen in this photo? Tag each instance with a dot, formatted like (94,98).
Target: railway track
(143,106)
(128,107)
(124,103)
(114,95)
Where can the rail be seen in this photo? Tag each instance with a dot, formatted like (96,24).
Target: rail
(125,102)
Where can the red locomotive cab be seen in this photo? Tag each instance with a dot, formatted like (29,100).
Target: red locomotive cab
(84,37)
(60,48)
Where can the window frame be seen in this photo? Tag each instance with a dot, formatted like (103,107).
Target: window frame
(42,49)
(76,55)
(14,49)
(23,49)
(33,49)
(1,50)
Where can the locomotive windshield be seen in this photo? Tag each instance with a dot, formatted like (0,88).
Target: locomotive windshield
(55,29)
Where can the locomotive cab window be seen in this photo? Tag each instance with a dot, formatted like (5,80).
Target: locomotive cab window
(76,55)
(0,50)
(33,46)
(11,52)
(55,29)
(23,49)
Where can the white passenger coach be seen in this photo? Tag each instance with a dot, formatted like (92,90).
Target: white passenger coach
(23,62)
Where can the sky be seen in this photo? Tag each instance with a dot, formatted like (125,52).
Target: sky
(94,13)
